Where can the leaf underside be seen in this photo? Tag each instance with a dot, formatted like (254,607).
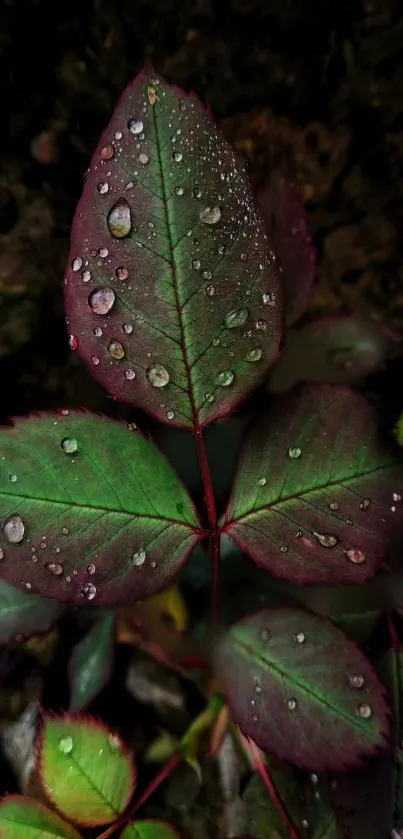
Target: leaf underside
(90,666)
(24,818)
(317,494)
(24,614)
(89,511)
(287,675)
(167,227)
(149,829)
(85,769)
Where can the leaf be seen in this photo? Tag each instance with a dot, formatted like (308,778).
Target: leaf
(301,690)
(90,666)
(87,772)
(95,513)
(24,817)
(172,294)
(314,499)
(332,349)
(149,829)
(23,614)
(285,216)
(358,626)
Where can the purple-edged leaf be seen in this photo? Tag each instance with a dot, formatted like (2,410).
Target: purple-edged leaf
(149,829)
(85,769)
(332,349)
(301,690)
(172,293)
(23,614)
(89,510)
(90,666)
(24,818)
(285,217)
(317,493)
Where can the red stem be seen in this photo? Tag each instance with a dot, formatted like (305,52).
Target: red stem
(212,520)
(259,766)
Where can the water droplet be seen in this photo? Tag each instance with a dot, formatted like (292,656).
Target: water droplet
(138,558)
(294,453)
(119,220)
(135,126)
(210,215)
(396,496)
(77,264)
(314,779)
(86,276)
(261,325)
(65,531)
(355,555)
(91,568)
(210,290)
(196,264)
(262,481)
(305,824)
(284,549)
(14,529)
(157,375)
(28,586)
(269,299)
(129,374)
(170,415)
(209,397)
(207,275)
(103,252)
(122,273)
(66,745)
(143,158)
(101,300)
(177,156)
(225,378)
(327,540)
(13,478)
(254,354)
(258,689)
(97,332)
(300,637)
(265,634)
(237,317)
(292,704)
(364,711)
(244,257)
(73,342)
(95,360)
(69,445)
(365,503)
(103,187)
(116,350)
(356,680)
(197,192)
(107,152)
(88,591)
(114,742)
(178,190)
(55,568)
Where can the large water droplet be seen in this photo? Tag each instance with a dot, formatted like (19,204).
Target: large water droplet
(138,558)
(364,711)
(107,152)
(122,273)
(210,290)
(88,591)
(101,300)
(119,220)
(69,445)
(294,452)
(14,529)
(292,704)
(237,317)
(269,299)
(157,375)
(129,374)
(327,540)
(13,478)
(66,745)
(116,350)
(143,158)
(254,354)
(300,637)
(55,568)
(225,378)
(77,263)
(103,187)
(355,555)
(177,156)
(210,215)
(356,680)
(135,126)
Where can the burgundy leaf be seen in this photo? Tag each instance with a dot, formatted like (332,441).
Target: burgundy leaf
(172,293)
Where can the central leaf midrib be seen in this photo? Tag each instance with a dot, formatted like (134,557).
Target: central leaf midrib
(175,279)
(91,783)
(304,689)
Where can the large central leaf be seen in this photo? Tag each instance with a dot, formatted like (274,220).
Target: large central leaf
(89,511)
(172,292)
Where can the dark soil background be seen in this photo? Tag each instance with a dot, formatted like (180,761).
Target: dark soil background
(319,80)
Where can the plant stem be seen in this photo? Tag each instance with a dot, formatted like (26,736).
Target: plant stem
(259,766)
(212,521)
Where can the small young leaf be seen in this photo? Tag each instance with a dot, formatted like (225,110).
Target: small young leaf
(172,294)
(317,494)
(90,665)
(149,829)
(301,690)
(285,217)
(22,614)
(24,818)
(96,514)
(86,771)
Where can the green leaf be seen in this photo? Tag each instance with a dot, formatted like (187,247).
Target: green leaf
(149,829)
(90,511)
(317,494)
(23,614)
(86,771)
(172,292)
(90,665)
(24,818)
(301,690)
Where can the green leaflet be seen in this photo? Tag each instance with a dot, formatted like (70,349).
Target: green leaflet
(22,614)
(90,665)
(24,818)
(90,511)
(149,829)
(87,772)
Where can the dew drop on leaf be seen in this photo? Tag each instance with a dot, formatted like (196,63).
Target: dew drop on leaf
(269,299)
(138,558)
(225,378)
(116,350)
(69,445)
(262,481)
(170,415)
(292,704)
(197,192)
(365,503)
(177,156)
(103,187)
(157,375)
(254,354)
(237,317)
(107,152)
(265,634)
(334,505)
(86,276)
(178,190)
(294,452)
(95,360)
(101,300)
(143,159)
(314,779)
(55,568)
(77,264)
(114,742)
(97,332)
(129,374)
(396,496)
(122,273)
(196,264)
(127,328)
(355,555)
(356,680)
(88,591)
(66,745)
(91,568)
(364,711)
(73,342)
(103,252)
(13,478)
(135,126)
(327,540)
(210,290)
(119,219)
(210,215)
(300,637)
(14,529)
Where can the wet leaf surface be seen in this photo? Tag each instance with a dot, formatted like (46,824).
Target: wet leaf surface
(24,817)
(90,666)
